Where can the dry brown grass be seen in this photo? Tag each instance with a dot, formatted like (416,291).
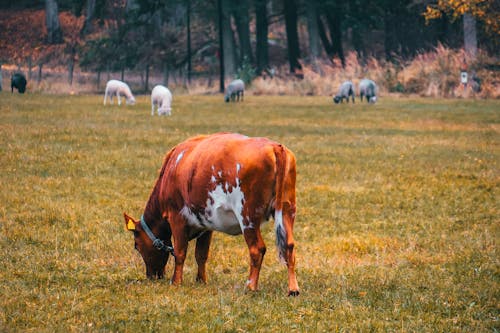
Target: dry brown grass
(430,74)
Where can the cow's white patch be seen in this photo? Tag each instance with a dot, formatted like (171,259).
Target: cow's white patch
(223,211)
(213,180)
(238,168)
(179,157)
(189,216)
(225,208)
(250,225)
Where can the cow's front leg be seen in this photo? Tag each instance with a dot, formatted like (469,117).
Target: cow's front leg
(201,254)
(257,249)
(177,224)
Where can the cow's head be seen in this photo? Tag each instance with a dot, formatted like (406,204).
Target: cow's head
(336,99)
(154,258)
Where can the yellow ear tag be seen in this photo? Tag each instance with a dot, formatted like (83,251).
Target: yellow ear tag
(130,225)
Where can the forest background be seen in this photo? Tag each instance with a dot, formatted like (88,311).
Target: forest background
(277,46)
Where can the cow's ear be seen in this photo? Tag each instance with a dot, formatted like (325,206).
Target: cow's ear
(130,223)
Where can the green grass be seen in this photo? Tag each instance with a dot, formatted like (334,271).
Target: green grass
(397,225)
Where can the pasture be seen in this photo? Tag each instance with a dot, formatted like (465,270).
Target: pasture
(397,224)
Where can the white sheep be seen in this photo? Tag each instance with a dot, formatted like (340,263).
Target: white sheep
(346,89)
(115,87)
(368,88)
(162,98)
(234,89)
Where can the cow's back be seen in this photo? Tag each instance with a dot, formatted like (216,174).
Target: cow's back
(229,168)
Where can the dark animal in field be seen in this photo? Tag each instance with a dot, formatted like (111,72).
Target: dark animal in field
(19,82)
(368,89)
(234,90)
(222,182)
(346,89)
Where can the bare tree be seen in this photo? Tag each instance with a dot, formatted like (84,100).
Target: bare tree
(292,35)
(54,32)
(312,28)
(262,50)
(470,35)
(89,15)
(229,45)
(242,20)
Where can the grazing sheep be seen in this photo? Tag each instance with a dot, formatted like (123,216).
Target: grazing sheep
(368,88)
(346,89)
(162,98)
(115,87)
(233,91)
(18,81)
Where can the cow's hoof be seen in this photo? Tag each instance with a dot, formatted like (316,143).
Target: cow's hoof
(293,293)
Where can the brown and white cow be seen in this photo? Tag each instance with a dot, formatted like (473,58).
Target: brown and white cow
(222,182)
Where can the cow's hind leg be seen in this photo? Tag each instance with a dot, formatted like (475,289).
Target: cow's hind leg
(257,249)
(288,220)
(201,254)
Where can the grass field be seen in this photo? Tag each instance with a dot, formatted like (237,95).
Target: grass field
(397,226)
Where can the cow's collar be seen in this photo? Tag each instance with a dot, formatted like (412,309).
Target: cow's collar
(157,243)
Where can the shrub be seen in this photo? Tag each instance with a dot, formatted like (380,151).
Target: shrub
(246,72)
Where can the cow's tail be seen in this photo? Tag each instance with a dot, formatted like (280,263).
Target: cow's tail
(281,171)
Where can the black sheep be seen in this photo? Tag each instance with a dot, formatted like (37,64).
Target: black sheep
(18,81)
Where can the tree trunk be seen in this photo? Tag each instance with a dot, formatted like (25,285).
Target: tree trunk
(89,15)
(312,29)
(1,77)
(290,8)
(98,83)
(146,81)
(324,38)
(71,66)
(54,32)
(261,35)
(188,24)
(221,45)
(334,19)
(242,20)
(229,46)
(470,35)
(357,29)
(40,65)
(30,65)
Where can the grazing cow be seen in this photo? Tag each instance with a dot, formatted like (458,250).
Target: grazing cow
(346,89)
(115,87)
(368,88)
(234,90)
(18,81)
(222,182)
